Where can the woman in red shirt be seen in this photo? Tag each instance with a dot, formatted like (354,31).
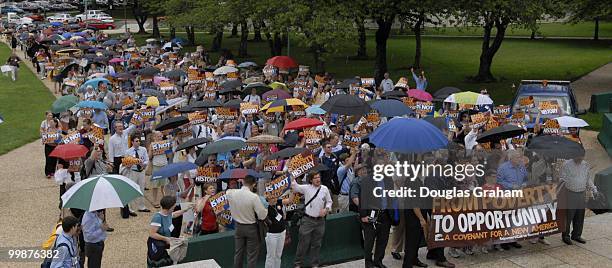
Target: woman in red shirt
(208,218)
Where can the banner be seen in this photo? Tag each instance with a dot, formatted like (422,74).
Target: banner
(501,111)
(277,187)
(207,175)
(73,137)
(551,127)
(270,165)
(74,165)
(224,113)
(351,139)
(549,107)
(467,221)
(161,147)
(249,108)
(301,163)
(219,202)
(51,137)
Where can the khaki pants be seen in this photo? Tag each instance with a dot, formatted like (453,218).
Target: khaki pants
(138,178)
(398,237)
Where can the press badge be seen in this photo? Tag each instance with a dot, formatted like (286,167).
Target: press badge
(171,228)
(278,217)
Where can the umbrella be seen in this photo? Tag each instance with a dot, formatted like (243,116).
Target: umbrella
(69,151)
(93,105)
(391,108)
(239,173)
(315,109)
(153,92)
(116,60)
(265,139)
(234,104)
(171,123)
(176,73)
(173,169)
(276,94)
(150,40)
(344,104)
(394,93)
(280,105)
(94,83)
(219,146)
(233,86)
(278,85)
(469,97)
(346,83)
(192,142)
(205,103)
(223,70)
(125,76)
(555,147)
(56,24)
(283,62)
(421,95)
(170,46)
(148,71)
(171,103)
(439,122)
(568,121)
(247,64)
(408,135)
(500,133)
(158,79)
(259,86)
(152,102)
(179,40)
(64,103)
(100,192)
(67,51)
(303,123)
(287,152)
(444,92)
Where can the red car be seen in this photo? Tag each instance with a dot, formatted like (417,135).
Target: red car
(37,17)
(98,24)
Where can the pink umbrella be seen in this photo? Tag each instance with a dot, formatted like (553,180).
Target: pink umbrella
(159,79)
(421,95)
(116,60)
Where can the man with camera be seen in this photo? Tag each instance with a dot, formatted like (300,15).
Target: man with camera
(376,215)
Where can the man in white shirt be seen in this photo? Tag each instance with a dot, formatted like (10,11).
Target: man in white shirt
(312,227)
(117,145)
(386,84)
(246,208)
(137,172)
(253,97)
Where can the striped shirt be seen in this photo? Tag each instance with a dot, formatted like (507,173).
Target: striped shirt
(577,176)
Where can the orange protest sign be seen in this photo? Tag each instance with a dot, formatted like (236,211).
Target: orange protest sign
(51,137)
(130,161)
(478,120)
(270,165)
(96,135)
(161,147)
(301,163)
(166,85)
(549,107)
(72,137)
(312,136)
(207,175)
(249,108)
(527,102)
(197,118)
(219,202)
(74,165)
(276,187)
(424,108)
(410,102)
(551,127)
(351,139)
(295,200)
(501,111)
(248,150)
(224,113)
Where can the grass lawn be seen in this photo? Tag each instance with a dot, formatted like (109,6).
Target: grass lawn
(595,120)
(22,104)
(582,29)
(449,61)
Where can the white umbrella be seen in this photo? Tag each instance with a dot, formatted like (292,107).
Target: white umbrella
(568,121)
(171,103)
(150,40)
(225,70)
(100,192)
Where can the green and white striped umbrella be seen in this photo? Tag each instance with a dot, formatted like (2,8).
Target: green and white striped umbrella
(102,191)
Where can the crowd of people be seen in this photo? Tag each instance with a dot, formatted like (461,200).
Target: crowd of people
(137,88)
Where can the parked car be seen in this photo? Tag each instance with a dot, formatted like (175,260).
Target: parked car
(96,24)
(14,18)
(36,17)
(62,17)
(11,9)
(103,17)
(88,15)
(29,7)
(542,90)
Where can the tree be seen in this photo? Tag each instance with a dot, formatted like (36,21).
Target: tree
(498,15)
(140,14)
(384,13)
(155,9)
(360,13)
(590,10)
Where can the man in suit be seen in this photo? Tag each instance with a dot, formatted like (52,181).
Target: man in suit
(375,214)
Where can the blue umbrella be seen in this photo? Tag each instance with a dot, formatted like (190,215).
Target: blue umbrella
(179,40)
(56,24)
(172,170)
(67,34)
(94,83)
(390,108)
(92,104)
(408,135)
(315,109)
(110,42)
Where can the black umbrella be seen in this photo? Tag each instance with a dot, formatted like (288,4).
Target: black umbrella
(346,105)
(346,83)
(191,143)
(319,167)
(234,104)
(64,73)
(148,71)
(234,86)
(439,122)
(206,103)
(219,146)
(125,76)
(259,86)
(444,92)
(177,73)
(394,94)
(153,92)
(287,152)
(171,123)
(500,133)
(555,147)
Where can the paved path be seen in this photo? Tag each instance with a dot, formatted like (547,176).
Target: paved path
(597,81)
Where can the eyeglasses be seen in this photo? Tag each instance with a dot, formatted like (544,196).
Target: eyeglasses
(136,140)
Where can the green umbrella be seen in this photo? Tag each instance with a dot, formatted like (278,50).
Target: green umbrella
(223,145)
(100,192)
(64,103)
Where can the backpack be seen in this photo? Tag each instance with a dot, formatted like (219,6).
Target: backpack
(47,261)
(48,244)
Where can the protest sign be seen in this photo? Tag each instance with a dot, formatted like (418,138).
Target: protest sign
(185,132)
(207,175)
(249,150)
(312,137)
(276,187)
(551,127)
(491,124)
(270,165)
(147,114)
(549,107)
(410,102)
(224,113)
(372,119)
(72,137)
(51,137)
(295,200)
(351,139)
(219,203)
(424,108)
(232,76)
(301,163)
(501,111)
(130,161)
(479,120)
(74,165)
(402,83)
(526,102)
(519,141)
(136,118)
(298,110)
(368,82)
(127,103)
(518,117)
(249,108)
(451,125)
(96,135)
(225,219)
(161,147)
(197,118)
(475,220)
(166,85)
(452,114)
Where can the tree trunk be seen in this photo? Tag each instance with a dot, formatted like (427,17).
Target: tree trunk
(596,34)
(382,34)
(532,37)
(244,38)
(361,33)
(216,44)
(417,38)
(155,28)
(234,30)
(489,50)
(190,34)
(276,44)
(140,16)
(172,32)
(257,31)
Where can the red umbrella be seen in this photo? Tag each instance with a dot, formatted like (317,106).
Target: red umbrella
(69,151)
(421,95)
(277,94)
(283,62)
(303,123)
